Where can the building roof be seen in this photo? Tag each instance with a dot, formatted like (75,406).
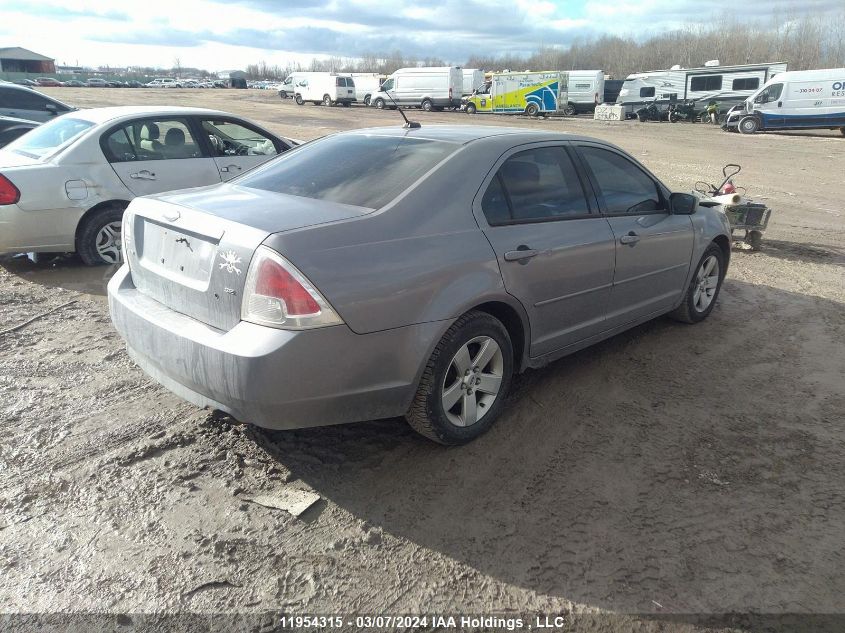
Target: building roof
(18,53)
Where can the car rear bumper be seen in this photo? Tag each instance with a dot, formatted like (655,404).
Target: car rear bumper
(274,378)
(37,231)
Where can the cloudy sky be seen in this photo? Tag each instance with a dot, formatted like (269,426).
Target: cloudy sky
(224,34)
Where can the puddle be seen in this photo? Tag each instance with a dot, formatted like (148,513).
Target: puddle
(64,271)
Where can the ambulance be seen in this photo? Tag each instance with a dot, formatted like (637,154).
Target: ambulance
(531,93)
(794,100)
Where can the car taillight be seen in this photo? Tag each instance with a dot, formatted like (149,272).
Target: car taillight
(278,295)
(9,194)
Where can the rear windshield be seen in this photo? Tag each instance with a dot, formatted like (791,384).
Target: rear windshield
(47,139)
(357,169)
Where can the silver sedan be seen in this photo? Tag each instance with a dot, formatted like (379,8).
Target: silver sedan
(406,272)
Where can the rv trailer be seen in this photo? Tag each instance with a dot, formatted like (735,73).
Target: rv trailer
(727,85)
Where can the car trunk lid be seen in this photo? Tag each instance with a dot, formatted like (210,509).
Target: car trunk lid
(191,251)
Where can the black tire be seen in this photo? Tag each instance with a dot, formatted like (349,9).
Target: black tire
(532,109)
(380,103)
(427,105)
(327,101)
(299,100)
(687,311)
(283,95)
(471,109)
(641,116)
(89,233)
(427,415)
(367,100)
(749,125)
(673,118)
(755,240)
(569,110)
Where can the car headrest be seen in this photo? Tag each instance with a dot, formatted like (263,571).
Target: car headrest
(174,137)
(150,132)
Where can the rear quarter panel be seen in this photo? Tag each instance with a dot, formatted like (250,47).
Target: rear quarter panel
(420,259)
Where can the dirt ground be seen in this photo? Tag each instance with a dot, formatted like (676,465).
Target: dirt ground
(671,470)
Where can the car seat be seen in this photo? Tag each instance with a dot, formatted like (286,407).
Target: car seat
(149,138)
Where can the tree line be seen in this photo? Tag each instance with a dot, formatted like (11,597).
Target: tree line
(804,42)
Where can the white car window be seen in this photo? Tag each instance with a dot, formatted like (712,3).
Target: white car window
(151,139)
(49,138)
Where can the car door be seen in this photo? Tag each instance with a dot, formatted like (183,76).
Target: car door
(153,155)
(555,252)
(653,246)
(237,146)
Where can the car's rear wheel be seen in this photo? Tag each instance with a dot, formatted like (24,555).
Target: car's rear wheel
(427,105)
(465,382)
(367,100)
(99,238)
(704,287)
(569,110)
(327,101)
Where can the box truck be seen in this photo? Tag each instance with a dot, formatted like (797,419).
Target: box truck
(795,100)
(531,93)
(431,88)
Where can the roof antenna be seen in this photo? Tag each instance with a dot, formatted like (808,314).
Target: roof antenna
(409,125)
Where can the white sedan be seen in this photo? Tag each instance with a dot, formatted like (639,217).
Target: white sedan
(64,186)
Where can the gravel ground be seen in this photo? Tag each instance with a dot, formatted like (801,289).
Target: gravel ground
(671,470)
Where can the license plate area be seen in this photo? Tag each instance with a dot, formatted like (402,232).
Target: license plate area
(176,254)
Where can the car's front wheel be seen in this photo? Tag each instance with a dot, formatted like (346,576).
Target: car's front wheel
(99,238)
(465,382)
(704,287)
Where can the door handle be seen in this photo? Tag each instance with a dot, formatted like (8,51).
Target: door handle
(523,253)
(631,238)
(230,167)
(143,175)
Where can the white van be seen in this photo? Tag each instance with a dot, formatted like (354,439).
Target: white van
(325,88)
(366,85)
(586,91)
(432,88)
(473,78)
(794,100)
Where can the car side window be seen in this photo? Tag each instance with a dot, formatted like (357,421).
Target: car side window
(23,99)
(153,139)
(624,186)
(534,185)
(229,138)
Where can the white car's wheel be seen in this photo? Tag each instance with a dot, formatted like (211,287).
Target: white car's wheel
(99,238)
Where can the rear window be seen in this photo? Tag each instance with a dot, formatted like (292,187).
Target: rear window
(356,169)
(49,138)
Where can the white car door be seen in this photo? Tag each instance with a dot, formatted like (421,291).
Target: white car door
(157,155)
(238,146)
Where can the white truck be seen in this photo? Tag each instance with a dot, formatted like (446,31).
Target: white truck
(429,88)
(366,85)
(585,91)
(795,100)
(473,78)
(319,87)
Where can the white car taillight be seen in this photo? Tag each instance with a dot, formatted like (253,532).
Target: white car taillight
(126,234)
(278,295)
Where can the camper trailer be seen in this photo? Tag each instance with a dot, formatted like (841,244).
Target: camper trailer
(803,99)
(531,93)
(727,85)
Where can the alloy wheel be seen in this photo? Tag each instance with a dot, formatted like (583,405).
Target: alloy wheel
(707,282)
(473,381)
(108,243)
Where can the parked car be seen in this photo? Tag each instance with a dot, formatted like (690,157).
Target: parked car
(74,83)
(64,186)
(48,82)
(321,288)
(13,127)
(96,82)
(26,103)
(25,82)
(134,84)
(164,82)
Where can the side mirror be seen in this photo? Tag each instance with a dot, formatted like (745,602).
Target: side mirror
(683,203)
